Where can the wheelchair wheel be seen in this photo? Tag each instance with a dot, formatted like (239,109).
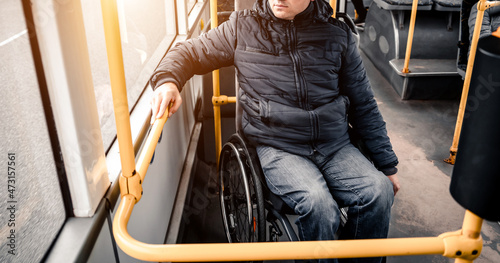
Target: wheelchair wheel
(241,195)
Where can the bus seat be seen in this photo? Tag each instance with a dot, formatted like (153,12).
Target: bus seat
(402,7)
(447,5)
(384,43)
(403,4)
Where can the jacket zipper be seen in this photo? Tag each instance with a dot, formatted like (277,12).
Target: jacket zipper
(297,65)
(299,79)
(315,130)
(315,121)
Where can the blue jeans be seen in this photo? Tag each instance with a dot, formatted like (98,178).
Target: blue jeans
(316,186)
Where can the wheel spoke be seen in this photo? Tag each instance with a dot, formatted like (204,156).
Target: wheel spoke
(239,200)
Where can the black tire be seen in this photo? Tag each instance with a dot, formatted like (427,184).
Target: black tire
(241,198)
(253,167)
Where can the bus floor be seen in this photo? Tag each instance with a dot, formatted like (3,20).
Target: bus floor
(421,133)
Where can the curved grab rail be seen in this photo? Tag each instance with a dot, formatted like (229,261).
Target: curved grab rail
(465,244)
(265,250)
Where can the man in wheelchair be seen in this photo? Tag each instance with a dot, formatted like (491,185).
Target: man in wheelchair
(302,83)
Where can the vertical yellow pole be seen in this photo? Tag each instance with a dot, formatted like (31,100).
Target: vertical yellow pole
(410,36)
(471,228)
(333,4)
(216,88)
(468,74)
(118,86)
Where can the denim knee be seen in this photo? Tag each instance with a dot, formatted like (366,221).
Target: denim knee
(382,193)
(319,213)
(316,202)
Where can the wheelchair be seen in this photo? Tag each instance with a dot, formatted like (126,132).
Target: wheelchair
(247,205)
(250,211)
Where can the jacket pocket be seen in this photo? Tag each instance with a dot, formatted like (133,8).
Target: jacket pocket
(334,110)
(278,114)
(347,103)
(333,119)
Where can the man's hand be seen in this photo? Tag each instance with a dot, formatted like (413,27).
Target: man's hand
(165,95)
(395,182)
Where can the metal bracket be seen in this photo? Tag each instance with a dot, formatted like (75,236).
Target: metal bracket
(221,100)
(459,245)
(483,5)
(401,19)
(452,158)
(131,185)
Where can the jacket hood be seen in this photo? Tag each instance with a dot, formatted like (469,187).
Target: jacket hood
(319,10)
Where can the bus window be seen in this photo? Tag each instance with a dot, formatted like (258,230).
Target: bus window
(190,5)
(32,208)
(147,28)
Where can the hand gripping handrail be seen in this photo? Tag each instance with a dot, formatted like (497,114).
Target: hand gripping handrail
(465,244)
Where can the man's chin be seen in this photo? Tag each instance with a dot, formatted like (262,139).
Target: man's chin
(282,15)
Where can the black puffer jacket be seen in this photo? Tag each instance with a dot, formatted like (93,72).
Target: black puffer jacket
(297,79)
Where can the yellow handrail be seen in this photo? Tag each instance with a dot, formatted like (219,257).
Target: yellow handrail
(481,7)
(411,30)
(129,180)
(266,250)
(333,4)
(216,88)
(117,79)
(150,145)
(466,241)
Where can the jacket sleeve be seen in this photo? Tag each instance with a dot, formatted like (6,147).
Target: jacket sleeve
(363,114)
(485,24)
(209,51)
